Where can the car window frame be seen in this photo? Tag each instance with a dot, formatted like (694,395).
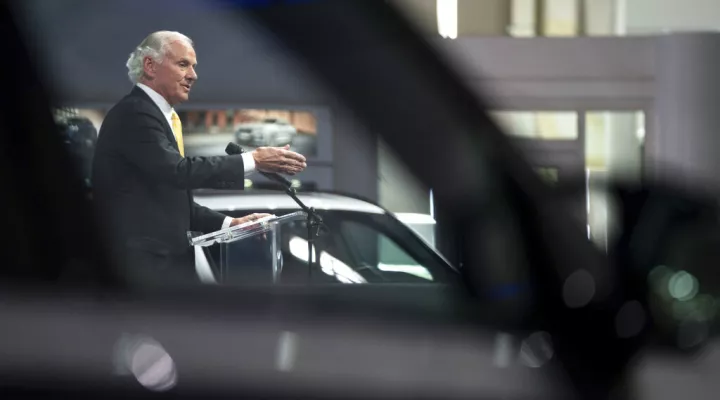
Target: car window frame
(441,270)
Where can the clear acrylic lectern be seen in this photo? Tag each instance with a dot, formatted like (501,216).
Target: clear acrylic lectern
(231,237)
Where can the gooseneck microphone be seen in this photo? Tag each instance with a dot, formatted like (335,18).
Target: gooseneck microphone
(314,221)
(234,148)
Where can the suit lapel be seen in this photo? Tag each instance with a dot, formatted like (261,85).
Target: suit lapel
(168,129)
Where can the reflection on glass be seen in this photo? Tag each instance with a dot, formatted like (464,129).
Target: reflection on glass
(334,267)
(299,248)
(543,125)
(328,264)
(394,259)
(353,247)
(422,224)
(416,270)
(614,143)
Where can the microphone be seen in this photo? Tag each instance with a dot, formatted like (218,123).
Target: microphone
(234,148)
(313,219)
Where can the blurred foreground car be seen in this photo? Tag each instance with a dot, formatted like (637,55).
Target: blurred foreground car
(266,132)
(582,324)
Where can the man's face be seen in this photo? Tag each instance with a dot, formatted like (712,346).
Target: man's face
(174,77)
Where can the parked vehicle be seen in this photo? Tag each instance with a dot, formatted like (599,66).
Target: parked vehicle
(266,132)
(362,242)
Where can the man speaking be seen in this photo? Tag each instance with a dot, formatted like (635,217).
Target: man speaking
(142,180)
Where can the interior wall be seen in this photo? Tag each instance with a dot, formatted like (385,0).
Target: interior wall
(686,114)
(398,189)
(355,149)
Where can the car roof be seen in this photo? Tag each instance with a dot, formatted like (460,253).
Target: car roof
(272,200)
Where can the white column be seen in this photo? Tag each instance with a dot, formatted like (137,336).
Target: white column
(471,17)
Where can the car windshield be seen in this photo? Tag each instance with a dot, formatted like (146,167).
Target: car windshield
(353,247)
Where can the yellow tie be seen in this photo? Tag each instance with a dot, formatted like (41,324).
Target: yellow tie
(177,130)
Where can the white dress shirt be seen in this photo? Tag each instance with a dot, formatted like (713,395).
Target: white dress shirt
(167,110)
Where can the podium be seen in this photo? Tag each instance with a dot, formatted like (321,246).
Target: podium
(232,238)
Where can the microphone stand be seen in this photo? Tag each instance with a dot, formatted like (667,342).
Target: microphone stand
(314,221)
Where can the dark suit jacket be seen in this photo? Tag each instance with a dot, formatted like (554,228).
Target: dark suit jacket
(142,190)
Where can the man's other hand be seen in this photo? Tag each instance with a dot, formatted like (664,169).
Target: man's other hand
(278,159)
(248,218)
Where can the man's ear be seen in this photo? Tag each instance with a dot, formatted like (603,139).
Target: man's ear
(149,66)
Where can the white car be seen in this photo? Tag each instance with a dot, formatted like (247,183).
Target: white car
(266,132)
(362,242)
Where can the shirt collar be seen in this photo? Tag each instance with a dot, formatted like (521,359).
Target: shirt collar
(160,101)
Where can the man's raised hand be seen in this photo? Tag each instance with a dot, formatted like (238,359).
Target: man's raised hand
(279,159)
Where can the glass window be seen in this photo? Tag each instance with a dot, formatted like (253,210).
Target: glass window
(376,250)
(399,189)
(614,142)
(543,125)
(354,248)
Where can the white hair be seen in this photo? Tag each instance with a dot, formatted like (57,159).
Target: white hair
(155,46)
